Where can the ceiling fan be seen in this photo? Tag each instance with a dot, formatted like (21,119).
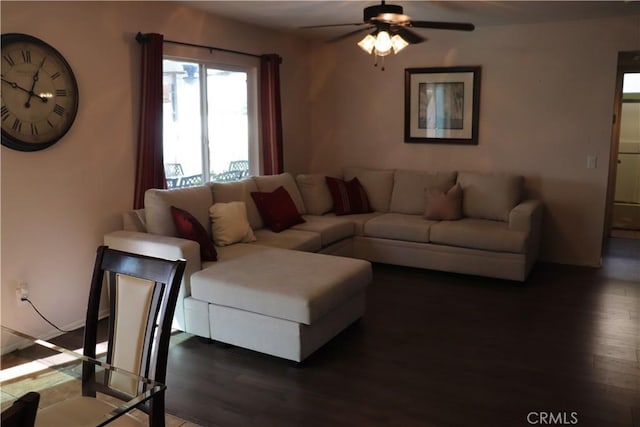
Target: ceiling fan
(390,29)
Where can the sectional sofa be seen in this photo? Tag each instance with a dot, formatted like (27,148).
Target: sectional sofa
(288,292)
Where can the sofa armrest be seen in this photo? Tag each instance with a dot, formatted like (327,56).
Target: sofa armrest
(526,216)
(155,245)
(166,247)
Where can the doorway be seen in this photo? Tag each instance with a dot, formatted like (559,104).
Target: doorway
(623,194)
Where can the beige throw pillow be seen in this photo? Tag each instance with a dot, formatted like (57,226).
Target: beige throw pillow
(444,206)
(229,224)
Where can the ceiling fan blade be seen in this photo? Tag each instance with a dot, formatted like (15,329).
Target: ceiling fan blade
(349,34)
(460,26)
(408,35)
(333,25)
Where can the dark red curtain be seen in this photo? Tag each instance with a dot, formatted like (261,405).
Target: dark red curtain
(271,115)
(150,165)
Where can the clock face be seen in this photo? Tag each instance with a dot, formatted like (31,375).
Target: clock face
(39,93)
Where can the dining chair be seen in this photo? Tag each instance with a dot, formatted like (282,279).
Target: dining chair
(190,181)
(142,297)
(173,170)
(227,176)
(23,411)
(173,182)
(241,166)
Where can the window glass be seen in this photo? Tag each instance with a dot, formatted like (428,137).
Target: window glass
(216,107)
(228,124)
(182,133)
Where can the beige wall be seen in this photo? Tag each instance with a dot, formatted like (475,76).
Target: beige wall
(58,203)
(546,104)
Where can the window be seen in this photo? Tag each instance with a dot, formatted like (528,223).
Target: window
(210,122)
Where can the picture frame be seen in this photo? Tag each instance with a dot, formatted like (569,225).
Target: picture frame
(442,105)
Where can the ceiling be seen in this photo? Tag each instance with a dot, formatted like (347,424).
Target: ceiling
(290,15)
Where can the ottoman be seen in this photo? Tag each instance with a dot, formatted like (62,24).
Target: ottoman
(276,301)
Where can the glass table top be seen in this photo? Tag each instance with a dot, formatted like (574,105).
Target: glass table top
(56,372)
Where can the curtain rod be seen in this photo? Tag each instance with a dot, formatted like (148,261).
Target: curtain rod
(141,38)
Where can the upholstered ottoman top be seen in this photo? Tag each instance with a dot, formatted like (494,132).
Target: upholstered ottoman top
(291,285)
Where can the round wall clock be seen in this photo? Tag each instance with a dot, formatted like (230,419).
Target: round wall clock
(39,93)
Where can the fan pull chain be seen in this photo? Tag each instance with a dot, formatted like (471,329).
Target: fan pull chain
(375,61)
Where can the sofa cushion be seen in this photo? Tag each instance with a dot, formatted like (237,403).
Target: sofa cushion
(349,197)
(443,205)
(331,228)
(289,239)
(412,228)
(378,183)
(189,228)
(157,203)
(479,234)
(239,191)
(409,187)
(315,193)
(267,183)
(277,209)
(489,196)
(304,297)
(358,220)
(229,223)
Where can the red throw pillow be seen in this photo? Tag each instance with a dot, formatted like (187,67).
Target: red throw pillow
(349,197)
(190,228)
(277,209)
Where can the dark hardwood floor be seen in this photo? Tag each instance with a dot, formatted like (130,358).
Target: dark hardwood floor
(438,349)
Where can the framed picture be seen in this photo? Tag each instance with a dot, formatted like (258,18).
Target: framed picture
(441,105)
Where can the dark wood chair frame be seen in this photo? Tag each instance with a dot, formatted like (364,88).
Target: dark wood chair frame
(167,276)
(23,411)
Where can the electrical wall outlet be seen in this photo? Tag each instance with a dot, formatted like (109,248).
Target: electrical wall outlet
(22,293)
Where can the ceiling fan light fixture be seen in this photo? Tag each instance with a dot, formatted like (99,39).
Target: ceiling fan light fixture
(383,44)
(398,43)
(368,43)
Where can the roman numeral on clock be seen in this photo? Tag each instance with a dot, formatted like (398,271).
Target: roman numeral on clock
(61,92)
(17,125)
(59,109)
(26,56)
(4,112)
(9,60)
(34,129)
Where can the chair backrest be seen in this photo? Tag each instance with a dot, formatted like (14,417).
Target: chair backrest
(239,165)
(173,170)
(142,298)
(23,411)
(191,181)
(227,176)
